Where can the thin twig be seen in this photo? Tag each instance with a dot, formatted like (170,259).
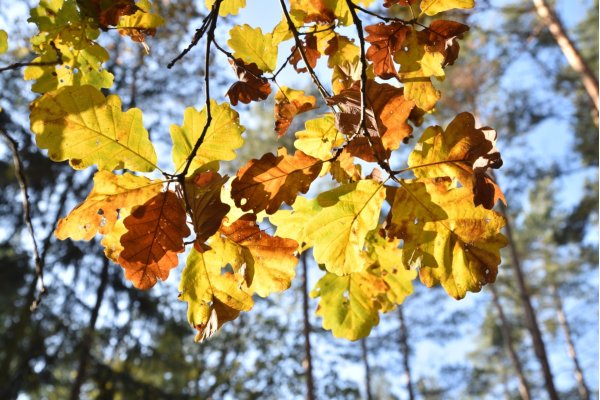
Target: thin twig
(58,61)
(299,47)
(197,36)
(209,40)
(20,175)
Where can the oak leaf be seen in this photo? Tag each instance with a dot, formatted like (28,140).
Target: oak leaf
(288,104)
(111,197)
(141,23)
(79,124)
(266,183)
(309,45)
(252,46)
(155,233)
(460,152)
(251,85)
(349,304)
(203,194)
(404,3)
(319,137)
(341,50)
(223,136)
(338,230)
(443,37)
(228,7)
(451,241)
(432,7)
(213,297)
(385,40)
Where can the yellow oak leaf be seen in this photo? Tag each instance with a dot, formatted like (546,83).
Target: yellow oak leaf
(445,236)
(228,7)
(432,7)
(111,197)
(213,297)
(3,41)
(223,136)
(252,46)
(290,223)
(461,152)
(349,305)
(319,138)
(338,230)
(79,124)
(288,104)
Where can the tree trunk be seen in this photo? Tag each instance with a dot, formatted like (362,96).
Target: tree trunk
(405,350)
(365,359)
(307,364)
(88,337)
(584,392)
(555,26)
(508,343)
(530,317)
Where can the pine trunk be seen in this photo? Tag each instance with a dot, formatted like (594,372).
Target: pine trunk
(530,316)
(508,343)
(556,28)
(584,392)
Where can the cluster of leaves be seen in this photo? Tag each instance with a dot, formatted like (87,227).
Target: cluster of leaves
(371,235)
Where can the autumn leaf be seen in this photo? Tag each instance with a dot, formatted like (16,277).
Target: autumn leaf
(349,304)
(79,124)
(203,194)
(385,40)
(432,7)
(213,298)
(309,45)
(228,7)
(461,152)
(141,23)
(268,261)
(319,137)
(451,241)
(338,230)
(308,11)
(155,233)
(3,41)
(252,46)
(266,183)
(251,85)
(288,104)
(341,50)
(111,196)
(344,170)
(404,3)
(108,13)
(290,223)
(223,136)
(443,37)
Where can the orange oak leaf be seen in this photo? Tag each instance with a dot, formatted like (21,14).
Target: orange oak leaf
(288,104)
(266,183)
(443,37)
(385,40)
(404,3)
(203,193)
(313,11)
(387,113)
(310,50)
(155,233)
(251,85)
(107,13)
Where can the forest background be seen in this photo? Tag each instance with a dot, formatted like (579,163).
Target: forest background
(94,336)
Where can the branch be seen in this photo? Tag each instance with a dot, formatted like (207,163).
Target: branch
(299,47)
(20,175)
(58,61)
(197,36)
(209,40)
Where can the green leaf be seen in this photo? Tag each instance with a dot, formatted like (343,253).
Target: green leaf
(252,46)
(79,124)
(338,230)
(223,136)
(432,7)
(349,304)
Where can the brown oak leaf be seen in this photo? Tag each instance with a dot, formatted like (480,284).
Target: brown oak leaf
(385,40)
(288,104)
(251,85)
(443,37)
(310,50)
(266,183)
(387,113)
(203,192)
(403,3)
(155,233)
